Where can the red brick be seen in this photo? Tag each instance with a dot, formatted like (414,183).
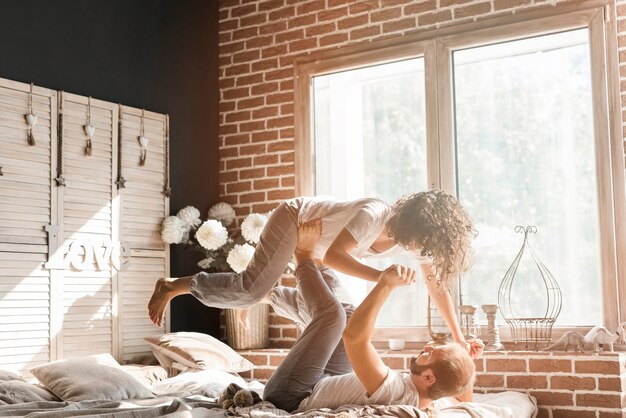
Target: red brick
(351,22)
(287,169)
(262,374)
(572,383)
(243,10)
(282,343)
(266,159)
(284,13)
(259,42)
(281,146)
(363,6)
(227,152)
(527,382)
(568,413)
(237,116)
(270,5)
(490,380)
(333,39)
(286,109)
(509,4)
(237,70)
(253,20)
(302,45)
(541,365)
(421,7)
(543,413)
(613,384)
(231,48)
(228,177)
(246,80)
(274,51)
(244,186)
(280,122)
(547,398)
(238,163)
(292,35)
(274,332)
(252,126)
(279,98)
(228,25)
(320,29)
(264,136)
(264,88)
(250,103)
(311,6)
(286,133)
(473,10)
(433,18)
(289,332)
(257,360)
(364,33)
(287,157)
(386,14)
(266,112)
(396,363)
(276,360)
(245,33)
(265,184)
(246,374)
(280,194)
(598,367)
(252,197)
(273,28)
(268,64)
(399,25)
(332,14)
(598,400)
(279,74)
(227,106)
(252,149)
(301,21)
(609,414)
(506,365)
(480,365)
(252,173)
(288,181)
(236,139)
(235,93)
(264,207)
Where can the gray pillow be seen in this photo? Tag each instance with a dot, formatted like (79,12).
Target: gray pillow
(87,378)
(19,391)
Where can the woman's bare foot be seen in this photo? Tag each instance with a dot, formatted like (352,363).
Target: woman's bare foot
(308,234)
(164,291)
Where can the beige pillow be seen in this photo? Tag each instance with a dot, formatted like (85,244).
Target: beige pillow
(197,351)
(86,378)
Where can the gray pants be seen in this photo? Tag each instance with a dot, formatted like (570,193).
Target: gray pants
(272,254)
(319,350)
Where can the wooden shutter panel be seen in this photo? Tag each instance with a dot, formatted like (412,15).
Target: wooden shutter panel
(26,201)
(88,212)
(143,207)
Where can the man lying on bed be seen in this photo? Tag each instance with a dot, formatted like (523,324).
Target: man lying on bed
(318,371)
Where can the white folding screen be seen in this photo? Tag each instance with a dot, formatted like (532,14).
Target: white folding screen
(79,229)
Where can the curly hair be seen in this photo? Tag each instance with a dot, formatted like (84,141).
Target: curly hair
(437,224)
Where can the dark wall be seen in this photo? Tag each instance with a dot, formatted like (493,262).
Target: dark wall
(161,55)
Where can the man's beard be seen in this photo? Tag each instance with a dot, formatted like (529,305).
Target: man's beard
(415,368)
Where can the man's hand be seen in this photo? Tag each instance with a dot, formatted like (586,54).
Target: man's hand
(397,275)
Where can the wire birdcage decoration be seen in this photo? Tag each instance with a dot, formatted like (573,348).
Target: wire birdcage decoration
(530,329)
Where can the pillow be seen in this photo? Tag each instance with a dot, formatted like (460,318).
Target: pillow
(87,378)
(14,389)
(197,351)
(141,372)
(197,382)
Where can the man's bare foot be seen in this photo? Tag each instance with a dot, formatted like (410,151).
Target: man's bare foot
(308,234)
(164,291)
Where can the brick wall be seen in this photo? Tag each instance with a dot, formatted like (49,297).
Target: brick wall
(566,385)
(259,41)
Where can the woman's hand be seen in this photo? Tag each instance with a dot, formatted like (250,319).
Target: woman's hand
(475,348)
(397,275)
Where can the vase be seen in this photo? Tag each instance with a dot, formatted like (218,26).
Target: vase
(257,336)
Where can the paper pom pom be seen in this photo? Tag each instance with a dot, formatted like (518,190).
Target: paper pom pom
(212,234)
(222,212)
(252,227)
(243,399)
(239,257)
(173,230)
(190,215)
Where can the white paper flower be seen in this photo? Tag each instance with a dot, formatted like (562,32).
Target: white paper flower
(239,257)
(212,234)
(173,229)
(206,262)
(190,215)
(252,227)
(222,212)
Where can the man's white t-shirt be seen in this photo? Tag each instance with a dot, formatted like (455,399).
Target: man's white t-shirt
(335,391)
(365,219)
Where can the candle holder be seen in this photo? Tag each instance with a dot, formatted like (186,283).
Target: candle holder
(469,325)
(492,342)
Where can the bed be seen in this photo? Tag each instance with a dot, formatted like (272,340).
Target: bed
(191,374)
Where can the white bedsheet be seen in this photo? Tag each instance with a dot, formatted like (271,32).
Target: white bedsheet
(493,405)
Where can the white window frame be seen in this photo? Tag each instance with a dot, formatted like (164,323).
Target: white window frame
(437,48)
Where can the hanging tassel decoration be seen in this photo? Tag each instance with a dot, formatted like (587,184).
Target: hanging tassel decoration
(167,191)
(143,142)
(60,180)
(121,181)
(31,119)
(89,129)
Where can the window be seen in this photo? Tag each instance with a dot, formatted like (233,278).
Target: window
(512,118)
